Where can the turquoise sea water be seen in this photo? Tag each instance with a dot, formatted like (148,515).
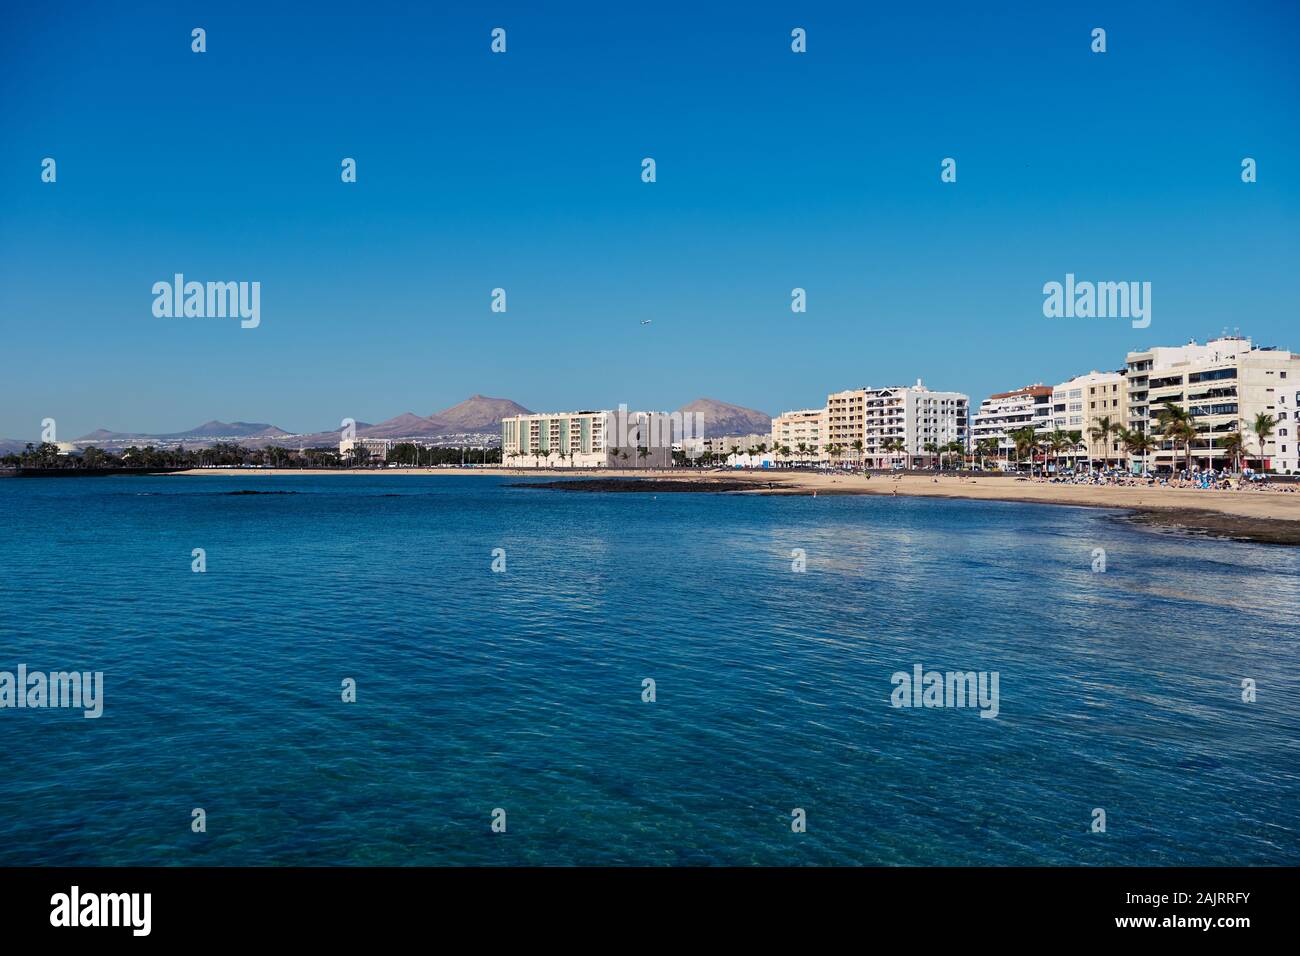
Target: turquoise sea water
(476,690)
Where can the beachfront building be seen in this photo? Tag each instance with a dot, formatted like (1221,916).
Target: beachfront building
(1083,404)
(737,448)
(806,427)
(377,449)
(1006,412)
(1224,384)
(1288,428)
(886,427)
(588,439)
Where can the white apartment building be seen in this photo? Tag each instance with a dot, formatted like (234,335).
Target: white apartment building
(807,427)
(1007,412)
(1225,384)
(1288,426)
(378,448)
(910,414)
(1081,403)
(588,439)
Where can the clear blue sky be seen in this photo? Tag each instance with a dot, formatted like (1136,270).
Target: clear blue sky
(476,170)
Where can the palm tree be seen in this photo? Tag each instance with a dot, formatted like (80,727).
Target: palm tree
(812,451)
(1101,432)
(891,446)
(1138,444)
(1263,429)
(1076,442)
(1176,424)
(931,449)
(857,449)
(1058,441)
(1234,446)
(1024,440)
(641,452)
(1122,434)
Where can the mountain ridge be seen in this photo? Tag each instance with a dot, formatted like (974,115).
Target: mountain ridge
(477,415)
(723,418)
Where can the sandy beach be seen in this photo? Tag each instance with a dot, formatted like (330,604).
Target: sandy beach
(1264,516)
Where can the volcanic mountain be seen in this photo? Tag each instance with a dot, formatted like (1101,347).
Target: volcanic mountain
(208,431)
(406,425)
(723,418)
(478,413)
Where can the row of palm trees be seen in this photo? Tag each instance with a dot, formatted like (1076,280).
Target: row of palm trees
(1175,424)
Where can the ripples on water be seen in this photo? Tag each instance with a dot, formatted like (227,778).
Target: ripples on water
(522,690)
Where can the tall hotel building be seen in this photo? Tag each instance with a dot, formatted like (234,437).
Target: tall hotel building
(1006,412)
(912,414)
(807,427)
(588,439)
(1082,402)
(1224,383)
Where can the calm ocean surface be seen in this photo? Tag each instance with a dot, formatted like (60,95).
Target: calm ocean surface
(522,690)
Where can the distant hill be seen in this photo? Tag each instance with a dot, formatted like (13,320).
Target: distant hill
(406,425)
(723,418)
(208,431)
(478,413)
(216,429)
(13,446)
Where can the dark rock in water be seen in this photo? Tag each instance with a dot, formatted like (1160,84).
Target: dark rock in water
(645,485)
(1197,521)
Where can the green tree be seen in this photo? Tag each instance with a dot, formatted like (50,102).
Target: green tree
(1140,444)
(1263,429)
(1234,446)
(1176,424)
(1101,432)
